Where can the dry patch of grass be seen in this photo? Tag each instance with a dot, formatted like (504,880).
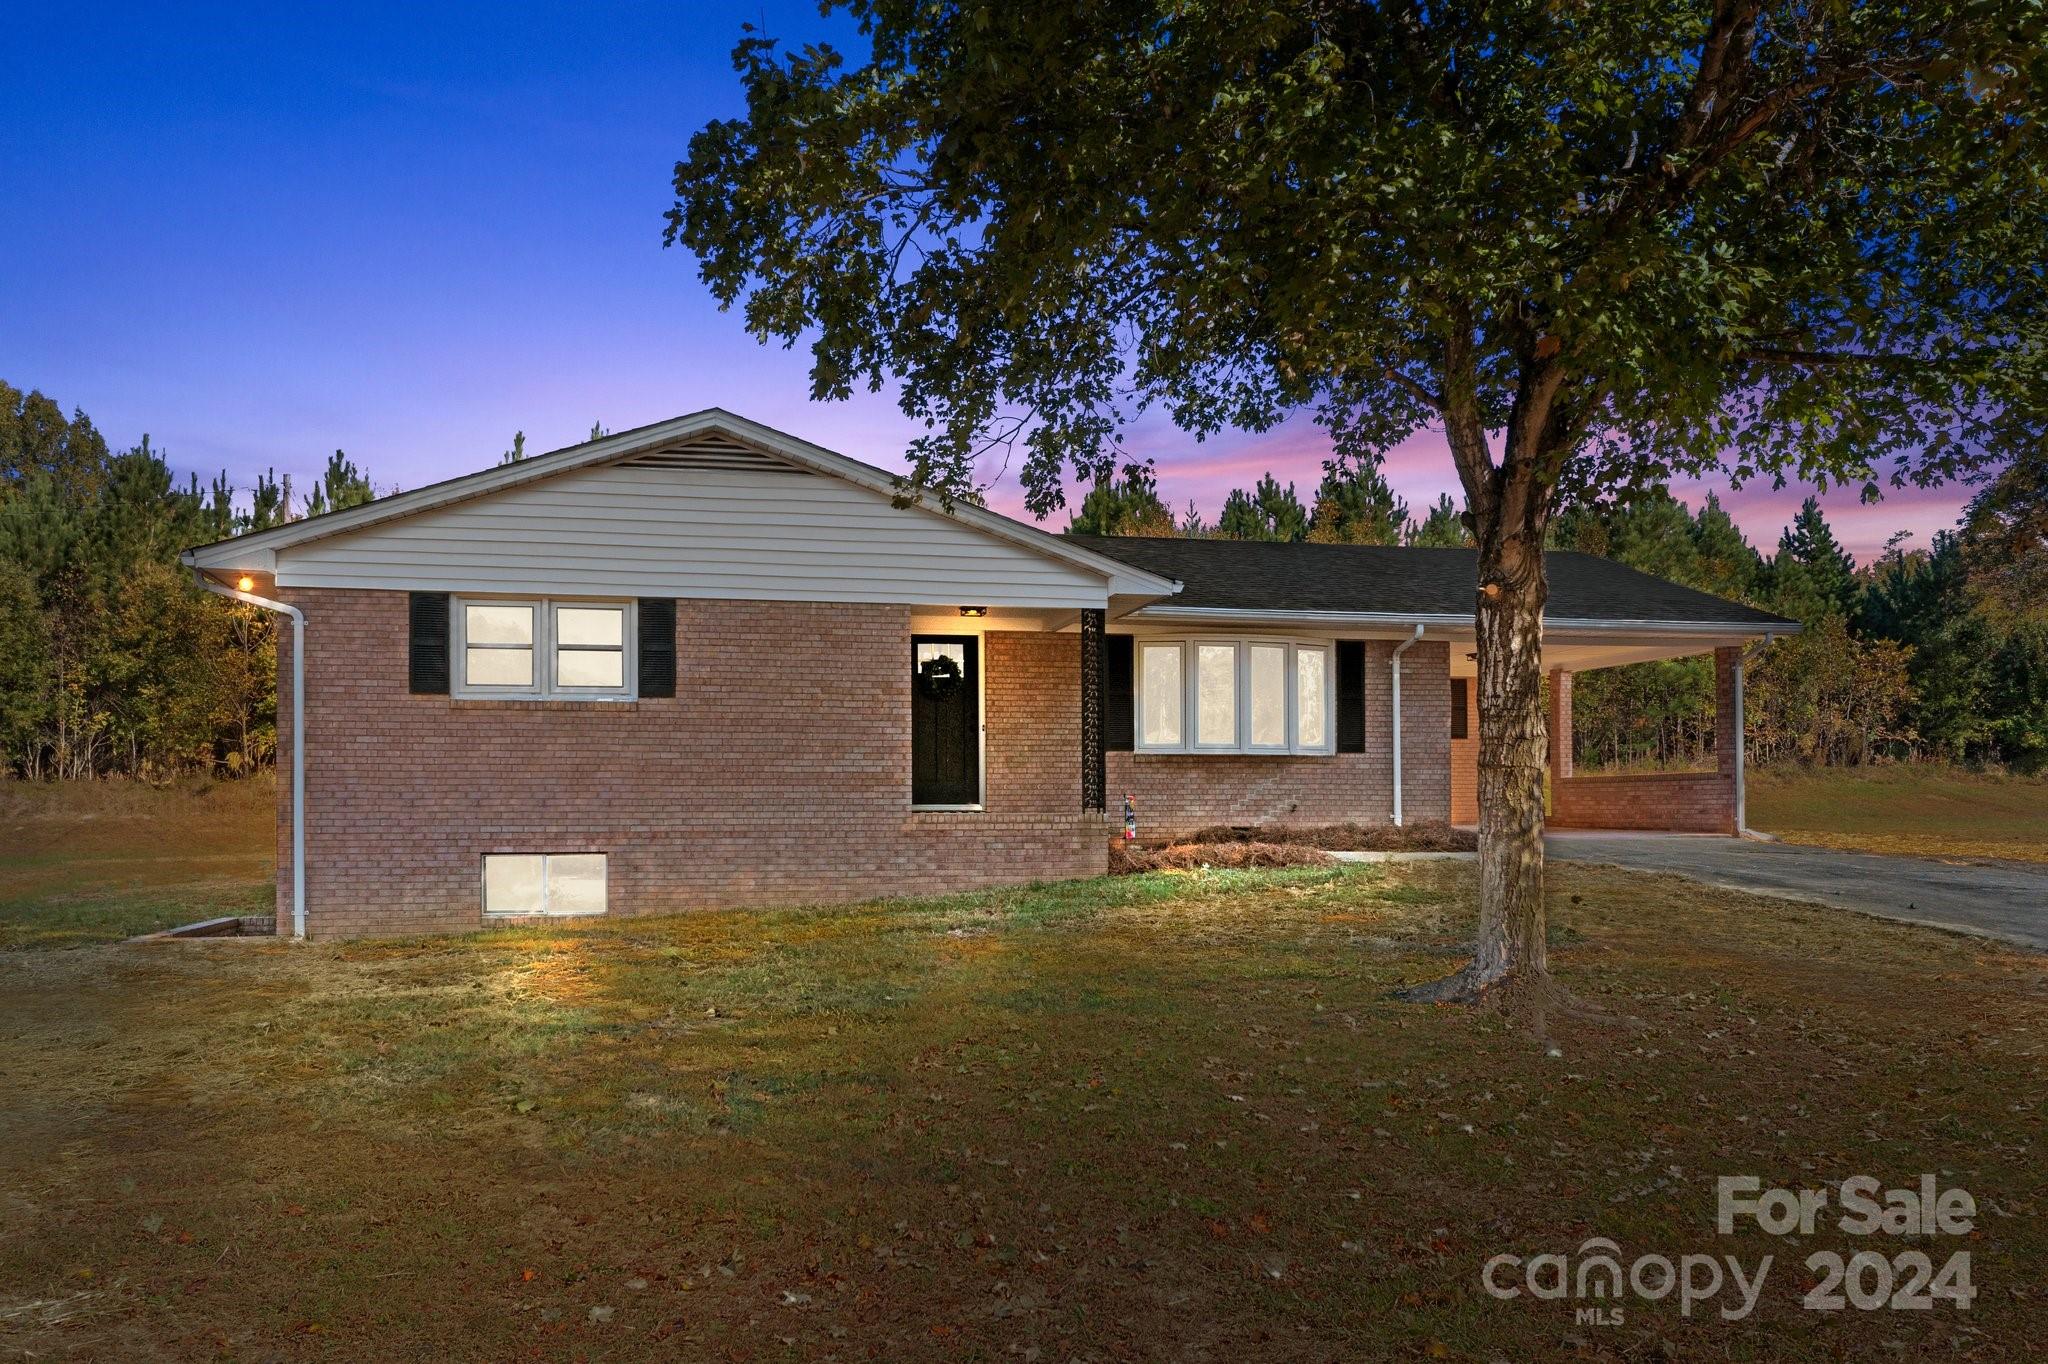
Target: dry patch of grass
(84,862)
(1167,1116)
(1917,810)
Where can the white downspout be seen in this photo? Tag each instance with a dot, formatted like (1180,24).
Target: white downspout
(1396,665)
(298,739)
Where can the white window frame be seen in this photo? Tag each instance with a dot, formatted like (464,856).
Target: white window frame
(545,911)
(544,687)
(1329,742)
(1287,701)
(1187,720)
(1191,709)
(1190,646)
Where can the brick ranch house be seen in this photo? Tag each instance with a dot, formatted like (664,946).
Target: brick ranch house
(705,663)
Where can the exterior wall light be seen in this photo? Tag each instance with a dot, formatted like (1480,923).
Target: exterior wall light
(246,583)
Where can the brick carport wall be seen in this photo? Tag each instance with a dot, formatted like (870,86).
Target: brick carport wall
(1671,802)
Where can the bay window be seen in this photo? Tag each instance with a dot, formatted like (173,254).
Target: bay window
(539,649)
(1211,695)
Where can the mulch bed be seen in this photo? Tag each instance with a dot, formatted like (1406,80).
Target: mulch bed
(1125,860)
(1423,837)
(1282,845)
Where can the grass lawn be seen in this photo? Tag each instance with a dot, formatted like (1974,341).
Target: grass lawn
(1165,1117)
(1924,811)
(84,862)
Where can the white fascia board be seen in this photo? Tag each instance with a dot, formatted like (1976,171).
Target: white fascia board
(1407,620)
(1121,578)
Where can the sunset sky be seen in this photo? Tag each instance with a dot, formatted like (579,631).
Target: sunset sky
(407,233)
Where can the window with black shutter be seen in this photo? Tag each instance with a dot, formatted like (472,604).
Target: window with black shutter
(1119,706)
(657,621)
(1350,696)
(427,647)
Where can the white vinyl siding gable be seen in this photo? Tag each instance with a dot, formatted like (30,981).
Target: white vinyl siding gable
(769,533)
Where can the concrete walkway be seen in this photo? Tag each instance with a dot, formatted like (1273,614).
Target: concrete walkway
(2007,901)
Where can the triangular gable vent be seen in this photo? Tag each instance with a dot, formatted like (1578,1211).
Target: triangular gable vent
(709,452)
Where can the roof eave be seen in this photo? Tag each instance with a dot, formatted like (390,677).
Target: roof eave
(1463,620)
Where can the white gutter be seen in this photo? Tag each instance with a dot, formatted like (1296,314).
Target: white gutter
(298,739)
(1396,665)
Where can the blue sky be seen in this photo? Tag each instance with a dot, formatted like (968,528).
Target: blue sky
(261,235)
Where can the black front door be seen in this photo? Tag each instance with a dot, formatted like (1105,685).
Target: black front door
(945,720)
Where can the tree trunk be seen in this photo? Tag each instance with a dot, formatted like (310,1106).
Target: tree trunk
(1508,510)
(1509,955)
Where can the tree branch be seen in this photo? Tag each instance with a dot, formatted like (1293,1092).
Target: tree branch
(1775,355)
(1433,401)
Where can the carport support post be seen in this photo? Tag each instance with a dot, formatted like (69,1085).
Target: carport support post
(1728,727)
(1560,724)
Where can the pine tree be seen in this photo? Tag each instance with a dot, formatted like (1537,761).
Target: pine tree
(1443,528)
(270,503)
(1268,512)
(1126,506)
(341,486)
(1729,565)
(1355,506)
(1830,572)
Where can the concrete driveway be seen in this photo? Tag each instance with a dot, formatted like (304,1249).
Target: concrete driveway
(2007,900)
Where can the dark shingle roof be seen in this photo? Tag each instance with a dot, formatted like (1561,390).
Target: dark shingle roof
(1254,575)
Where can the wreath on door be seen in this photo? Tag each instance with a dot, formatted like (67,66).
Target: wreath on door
(939,678)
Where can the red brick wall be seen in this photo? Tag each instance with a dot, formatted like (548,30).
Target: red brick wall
(1680,802)
(779,774)
(1176,792)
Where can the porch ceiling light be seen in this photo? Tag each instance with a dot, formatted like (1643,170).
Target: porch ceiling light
(974,612)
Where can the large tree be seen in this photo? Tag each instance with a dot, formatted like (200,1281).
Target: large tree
(1596,244)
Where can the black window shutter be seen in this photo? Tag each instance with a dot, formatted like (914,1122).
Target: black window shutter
(1350,696)
(1119,714)
(657,646)
(1460,701)
(427,648)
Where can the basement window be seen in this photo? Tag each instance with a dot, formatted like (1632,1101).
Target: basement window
(518,885)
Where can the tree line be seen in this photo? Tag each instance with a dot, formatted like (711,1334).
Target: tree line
(112,660)
(1939,652)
